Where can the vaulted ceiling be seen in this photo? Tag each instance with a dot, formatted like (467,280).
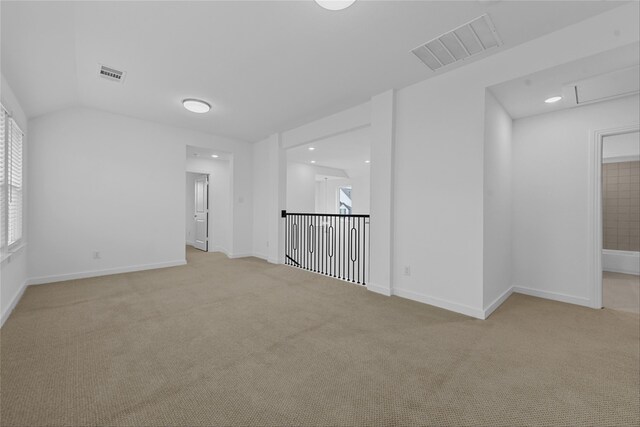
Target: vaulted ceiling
(265,66)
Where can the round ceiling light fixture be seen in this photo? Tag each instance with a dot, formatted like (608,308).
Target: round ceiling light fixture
(215,156)
(335,4)
(196,105)
(553,99)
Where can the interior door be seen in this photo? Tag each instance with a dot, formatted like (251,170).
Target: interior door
(201,214)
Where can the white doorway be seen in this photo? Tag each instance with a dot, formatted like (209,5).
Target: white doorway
(616,221)
(197,232)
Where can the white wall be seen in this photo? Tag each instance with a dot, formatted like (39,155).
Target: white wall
(270,182)
(326,194)
(439,166)
(550,164)
(190,199)
(436,169)
(13,269)
(497,263)
(261,188)
(220,190)
(621,148)
(109,183)
(301,187)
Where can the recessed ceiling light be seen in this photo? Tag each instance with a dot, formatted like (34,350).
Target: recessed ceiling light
(196,105)
(553,99)
(215,156)
(335,4)
(313,161)
(311,148)
(367,161)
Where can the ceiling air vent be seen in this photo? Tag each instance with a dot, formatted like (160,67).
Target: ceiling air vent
(612,85)
(111,74)
(459,44)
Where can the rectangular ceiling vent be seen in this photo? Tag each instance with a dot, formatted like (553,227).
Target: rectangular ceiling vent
(459,44)
(612,85)
(111,74)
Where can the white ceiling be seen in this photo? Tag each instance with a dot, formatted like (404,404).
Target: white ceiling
(347,151)
(265,66)
(525,96)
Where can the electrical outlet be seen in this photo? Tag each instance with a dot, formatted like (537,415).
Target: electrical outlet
(96,254)
(407,270)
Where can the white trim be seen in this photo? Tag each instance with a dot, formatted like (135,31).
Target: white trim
(241,255)
(261,256)
(555,296)
(620,159)
(8,254)
(382,290)
(447,305)
(594,212)
(14,301)
(498,302)
(627,262)
(96,273)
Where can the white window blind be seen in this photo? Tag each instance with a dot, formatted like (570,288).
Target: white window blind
(3,182)
(14,182)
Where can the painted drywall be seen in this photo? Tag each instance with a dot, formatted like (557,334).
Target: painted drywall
(301,187)
(261,188)
(270,182)
(551,187)
(326,192)
(13,269)
(497,251)
(430,154)
(190,201)
(621,148)
(116,185)
(220,190)
(439,163)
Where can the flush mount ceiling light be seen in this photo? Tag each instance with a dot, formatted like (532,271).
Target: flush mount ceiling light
(335,4)
(553,99)
(313,161)
(196,105)
(215,156)
(367,161)
(311,148)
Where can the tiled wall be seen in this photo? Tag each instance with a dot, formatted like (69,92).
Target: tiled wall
(621,207)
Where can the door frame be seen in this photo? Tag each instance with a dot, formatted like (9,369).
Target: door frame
(595,207)
(207,208)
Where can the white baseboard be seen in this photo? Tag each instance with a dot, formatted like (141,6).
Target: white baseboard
(190,243)
(626,262)
(447,305)
(220,249)
(14,301)
(498,302)
(379,289)
(555,296)
(261,256)
(96,273)
(234,256)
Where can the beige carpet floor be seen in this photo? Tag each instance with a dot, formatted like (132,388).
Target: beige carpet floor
(243,342)
(621,291)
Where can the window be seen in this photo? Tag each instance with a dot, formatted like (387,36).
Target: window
(11,186)
(344,200)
